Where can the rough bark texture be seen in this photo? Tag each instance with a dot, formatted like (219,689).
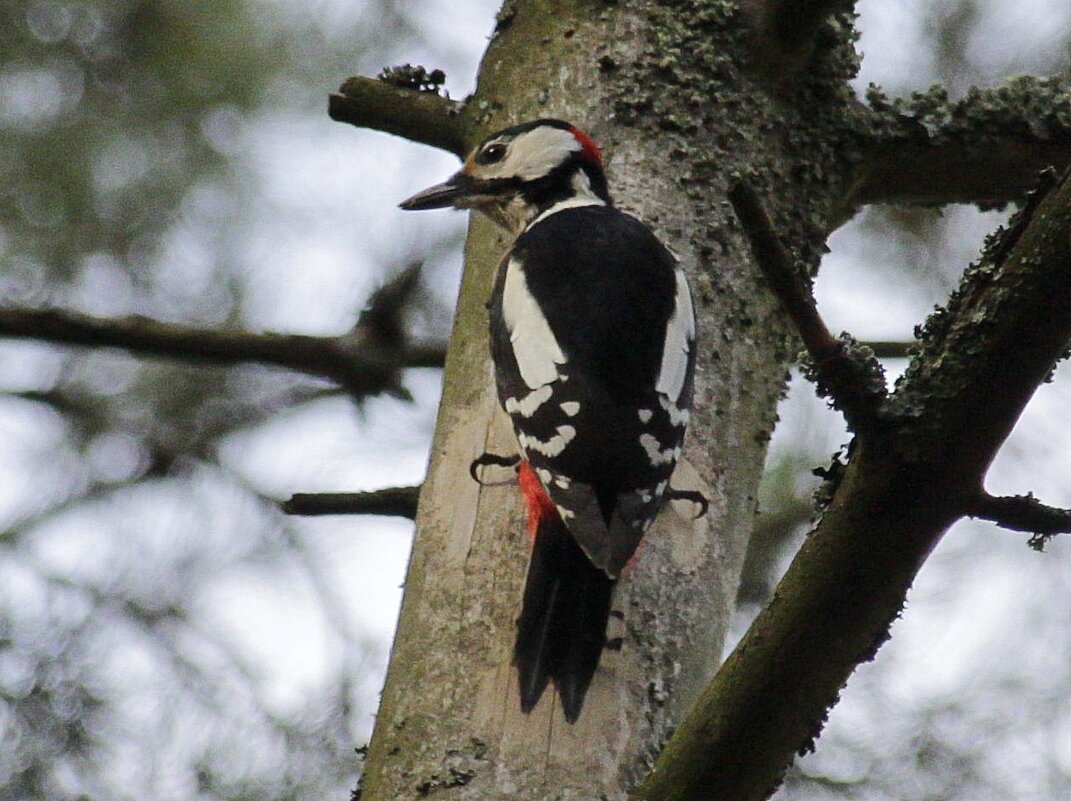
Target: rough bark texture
(685,98)
(910,477)
(662,90)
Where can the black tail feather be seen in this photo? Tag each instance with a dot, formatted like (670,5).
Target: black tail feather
(562,627)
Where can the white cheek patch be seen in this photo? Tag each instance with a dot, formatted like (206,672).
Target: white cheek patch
(680,334)
(531,402)
(532,154)
(534,345)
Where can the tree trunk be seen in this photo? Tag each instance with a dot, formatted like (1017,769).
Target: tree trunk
(688,98)
(657,87)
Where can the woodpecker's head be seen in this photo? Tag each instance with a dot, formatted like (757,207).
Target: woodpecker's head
(520,172)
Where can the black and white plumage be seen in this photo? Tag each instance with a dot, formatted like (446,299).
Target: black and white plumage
(593,344)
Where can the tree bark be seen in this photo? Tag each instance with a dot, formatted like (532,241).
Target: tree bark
(449,722)
(684,101)
(911,475)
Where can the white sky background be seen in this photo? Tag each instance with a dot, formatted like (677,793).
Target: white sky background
(322,226)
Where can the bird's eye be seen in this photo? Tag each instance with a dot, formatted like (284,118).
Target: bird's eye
(492,153)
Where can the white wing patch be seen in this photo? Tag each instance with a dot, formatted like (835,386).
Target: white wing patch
(534,346)
(528,405)
(553,446)
(677,417)
(653,448)
(680,334)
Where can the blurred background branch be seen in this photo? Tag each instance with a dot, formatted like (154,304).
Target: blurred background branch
(355,360)
(390,501)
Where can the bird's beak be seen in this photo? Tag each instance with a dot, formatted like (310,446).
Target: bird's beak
(451,192)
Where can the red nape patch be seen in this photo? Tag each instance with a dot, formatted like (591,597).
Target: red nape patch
(589,150)
(535,497)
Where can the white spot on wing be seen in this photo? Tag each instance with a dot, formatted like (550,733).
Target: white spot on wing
(528,405)
(677,416)
(645,415)
(565,513)
(680,334)
(653,448)
(553,446)
(544,475)
(563,481)
(571,408)
(534,346)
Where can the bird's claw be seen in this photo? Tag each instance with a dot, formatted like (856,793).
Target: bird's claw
(695,496)
(485,459)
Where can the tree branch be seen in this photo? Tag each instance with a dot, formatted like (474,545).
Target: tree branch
(787,32)
(891,348)
(364,361)
(985,148)
(419,116)
(980,360)
(845,372)
(362,367)
(391,502)
(1022,513)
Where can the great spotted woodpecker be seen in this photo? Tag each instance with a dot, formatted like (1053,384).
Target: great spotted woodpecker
(593,344)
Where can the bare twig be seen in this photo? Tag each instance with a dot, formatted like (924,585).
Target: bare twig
(361,367)
(423,117)
(1021,513)
(391,502)
(849,374)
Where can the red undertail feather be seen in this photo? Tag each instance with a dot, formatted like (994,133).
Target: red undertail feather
(535,497)
(562,628)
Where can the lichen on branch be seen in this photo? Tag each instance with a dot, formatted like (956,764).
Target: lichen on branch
(411,110)
(980,359)
(983,148)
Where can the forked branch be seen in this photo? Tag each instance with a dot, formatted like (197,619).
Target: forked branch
(980,359)
(846,372)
